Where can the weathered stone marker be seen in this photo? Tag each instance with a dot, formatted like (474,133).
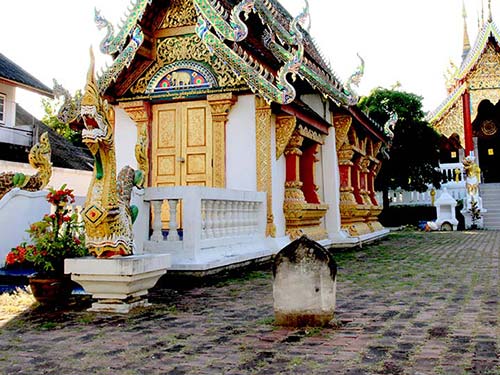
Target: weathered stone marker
(304,284)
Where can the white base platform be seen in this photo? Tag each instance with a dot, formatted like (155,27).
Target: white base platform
(119,284)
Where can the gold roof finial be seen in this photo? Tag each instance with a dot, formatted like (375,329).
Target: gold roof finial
(466,47)
(490,16)
(482,13)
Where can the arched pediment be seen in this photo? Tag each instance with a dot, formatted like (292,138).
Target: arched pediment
(181,75)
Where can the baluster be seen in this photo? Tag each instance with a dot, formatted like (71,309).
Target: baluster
(255,217)
(230,219)
(217,219)
(209,219)
(237,218)
(172,225)
(240,230)
(203,219)
(157,235)
(247,222)
(225,218)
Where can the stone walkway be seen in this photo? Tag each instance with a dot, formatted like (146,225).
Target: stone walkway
(416,303)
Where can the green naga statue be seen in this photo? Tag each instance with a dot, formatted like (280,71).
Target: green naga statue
(39,158)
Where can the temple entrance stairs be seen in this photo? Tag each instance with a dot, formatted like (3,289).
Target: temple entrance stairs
(490,194)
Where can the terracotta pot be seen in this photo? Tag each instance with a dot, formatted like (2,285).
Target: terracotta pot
(50,291)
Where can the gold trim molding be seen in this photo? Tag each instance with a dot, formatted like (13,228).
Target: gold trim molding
(220,104)
(140,113)
(310,134)
(263,155)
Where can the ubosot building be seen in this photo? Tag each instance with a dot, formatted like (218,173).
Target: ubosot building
(241,125)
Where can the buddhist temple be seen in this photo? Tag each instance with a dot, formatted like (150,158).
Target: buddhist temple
(241,125)
(470,113)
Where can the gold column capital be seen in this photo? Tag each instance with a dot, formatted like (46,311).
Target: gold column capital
(221,104)
(342,124)
(285,126)
(138,110)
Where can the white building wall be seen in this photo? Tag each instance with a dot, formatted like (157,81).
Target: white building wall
(126,137)
(10,103)
(74,179)
(8,134)
(241,145)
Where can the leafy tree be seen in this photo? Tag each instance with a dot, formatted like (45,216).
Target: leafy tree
(50,119)
(414,155)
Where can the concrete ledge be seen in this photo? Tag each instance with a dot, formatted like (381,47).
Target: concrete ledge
(120,283)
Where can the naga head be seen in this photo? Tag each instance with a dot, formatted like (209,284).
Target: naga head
(96,115)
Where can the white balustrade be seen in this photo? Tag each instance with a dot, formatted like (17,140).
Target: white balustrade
(210,217)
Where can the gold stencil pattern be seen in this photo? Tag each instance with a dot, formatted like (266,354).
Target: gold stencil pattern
(180,13)
(285,125)
(264,171)
(221,105)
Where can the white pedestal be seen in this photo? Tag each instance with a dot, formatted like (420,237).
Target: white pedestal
(119,284)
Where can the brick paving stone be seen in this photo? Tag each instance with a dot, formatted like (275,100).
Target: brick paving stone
(413,304)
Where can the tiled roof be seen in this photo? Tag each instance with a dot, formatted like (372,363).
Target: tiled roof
(64,153)
(488,30)
(14,73)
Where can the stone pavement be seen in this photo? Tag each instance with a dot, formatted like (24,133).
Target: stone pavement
(415,303)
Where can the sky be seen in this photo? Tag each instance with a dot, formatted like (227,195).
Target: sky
(410,42)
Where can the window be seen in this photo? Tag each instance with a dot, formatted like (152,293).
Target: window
(2,108)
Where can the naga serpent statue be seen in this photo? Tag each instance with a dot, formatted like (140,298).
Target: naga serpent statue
(39,158)
(107,215)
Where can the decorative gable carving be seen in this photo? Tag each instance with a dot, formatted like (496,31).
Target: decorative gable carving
(180,13)
(486,73)
(190,51)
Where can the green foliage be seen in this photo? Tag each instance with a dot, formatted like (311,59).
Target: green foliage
(57,236)
(414,155)
(50,119)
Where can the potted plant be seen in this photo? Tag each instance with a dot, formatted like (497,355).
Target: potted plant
(57,236)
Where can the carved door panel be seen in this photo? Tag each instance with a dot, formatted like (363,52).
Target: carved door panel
(166,146)
(196,146)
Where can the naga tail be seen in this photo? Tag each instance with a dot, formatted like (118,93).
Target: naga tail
(124,184)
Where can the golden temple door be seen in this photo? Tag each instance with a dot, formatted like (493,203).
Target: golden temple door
(181,148)
(182,144)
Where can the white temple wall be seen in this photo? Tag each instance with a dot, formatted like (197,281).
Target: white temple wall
(331,186)
(317,104)
(125,139)
(241,159)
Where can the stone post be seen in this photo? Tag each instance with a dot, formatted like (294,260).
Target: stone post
(304,284)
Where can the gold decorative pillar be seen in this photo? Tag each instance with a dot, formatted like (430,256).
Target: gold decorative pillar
(364,163)
(264,160)
(140,113)
(301,216)
(220,105)
(294,197)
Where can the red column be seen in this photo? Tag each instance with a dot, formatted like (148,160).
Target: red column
(469,144)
